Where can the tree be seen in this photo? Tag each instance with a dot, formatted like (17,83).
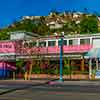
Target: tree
(89,24)
(4,34)
(71,27)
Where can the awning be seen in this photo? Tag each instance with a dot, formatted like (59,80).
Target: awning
(93,53)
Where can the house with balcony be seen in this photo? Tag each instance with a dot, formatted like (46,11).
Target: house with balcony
(48,48)
(74,49)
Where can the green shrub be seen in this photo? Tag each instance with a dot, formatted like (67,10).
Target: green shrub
(36,70)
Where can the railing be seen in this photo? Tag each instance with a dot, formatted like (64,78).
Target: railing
(66,49)
(12,47)
(17,47)
(56,49)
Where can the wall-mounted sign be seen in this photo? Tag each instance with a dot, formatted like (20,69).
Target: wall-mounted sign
(7,47)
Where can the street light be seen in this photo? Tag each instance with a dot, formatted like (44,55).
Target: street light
(61,57)
(61,60)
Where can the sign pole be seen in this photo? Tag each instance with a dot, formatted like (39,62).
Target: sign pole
(90,68)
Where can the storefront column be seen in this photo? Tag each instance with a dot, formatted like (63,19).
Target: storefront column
(70,69)
(30,70)
(90,68)
(82,64)
(97,64)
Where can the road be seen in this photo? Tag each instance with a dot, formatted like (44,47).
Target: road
(68,91)
(30,94)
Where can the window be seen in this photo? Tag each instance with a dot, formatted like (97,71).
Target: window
(25,45)
(32,44)
(64,42)
(96,42)
(70,42)
(51,43)
(84,41)
(99,64)
(42,44)
(73,42)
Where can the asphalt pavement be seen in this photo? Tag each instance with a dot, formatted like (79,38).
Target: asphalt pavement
(47,90)
(82,86)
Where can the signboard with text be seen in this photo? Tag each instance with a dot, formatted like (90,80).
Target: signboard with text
(7,47)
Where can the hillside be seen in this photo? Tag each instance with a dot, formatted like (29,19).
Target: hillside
(70,23)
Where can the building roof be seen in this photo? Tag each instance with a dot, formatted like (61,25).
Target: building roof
(28,33)
(70,36)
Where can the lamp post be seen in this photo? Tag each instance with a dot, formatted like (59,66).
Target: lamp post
(61,57)
(61,61)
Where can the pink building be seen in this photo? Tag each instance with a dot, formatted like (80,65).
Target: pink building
(74,48)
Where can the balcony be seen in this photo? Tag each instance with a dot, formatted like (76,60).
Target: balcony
(44,50)
(56,49)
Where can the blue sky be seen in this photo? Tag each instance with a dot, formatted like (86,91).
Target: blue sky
(11,10)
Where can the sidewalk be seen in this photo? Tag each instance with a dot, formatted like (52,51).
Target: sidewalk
(22,82)
(7,86)
(45,81)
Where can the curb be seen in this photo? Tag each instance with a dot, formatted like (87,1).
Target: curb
(20,88)
(7,91)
